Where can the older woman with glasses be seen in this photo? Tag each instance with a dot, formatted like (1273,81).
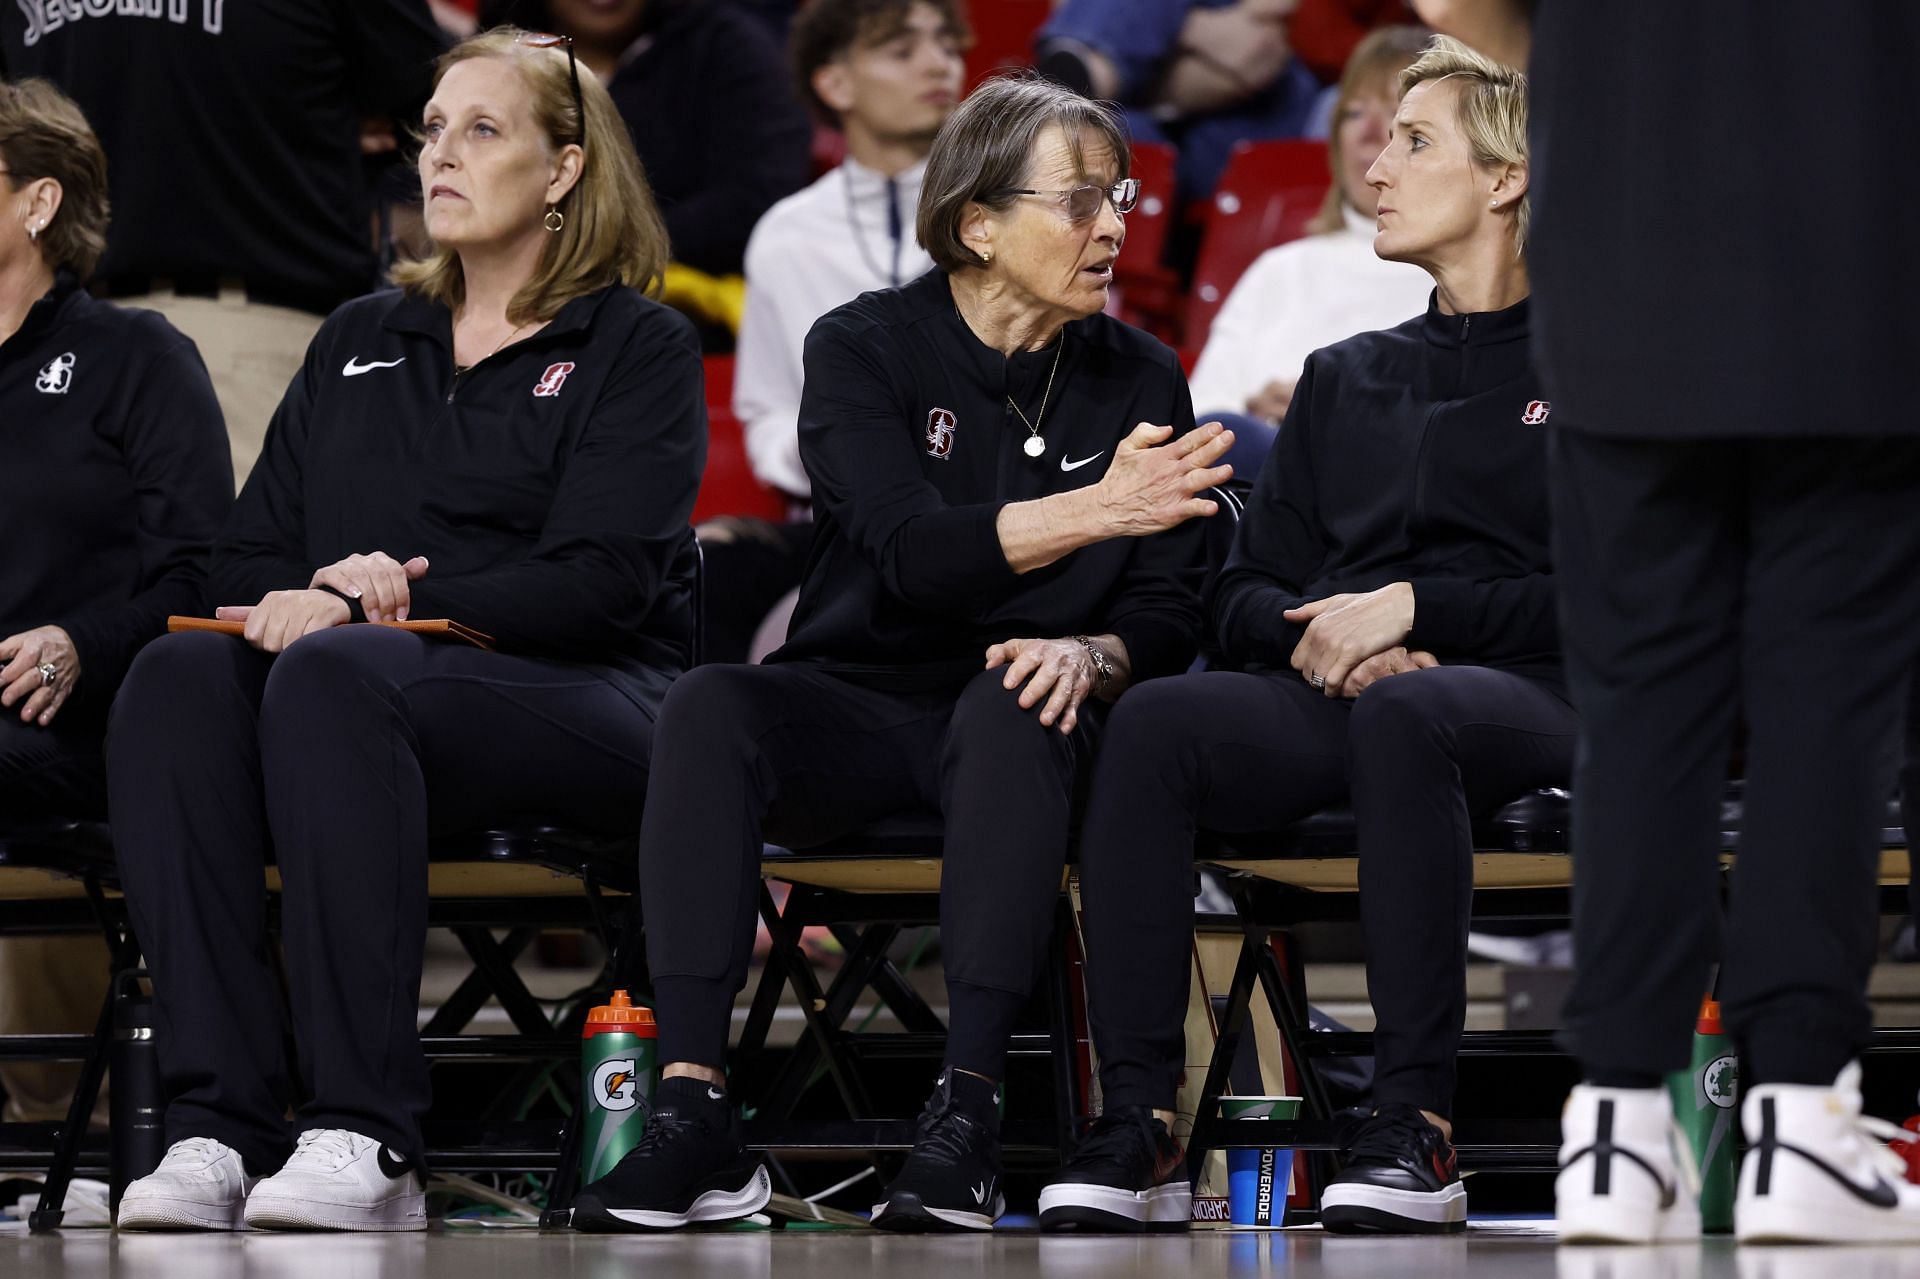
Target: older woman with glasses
(1004,481)
(512,441)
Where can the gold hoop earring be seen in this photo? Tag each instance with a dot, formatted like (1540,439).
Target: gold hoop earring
(554,219)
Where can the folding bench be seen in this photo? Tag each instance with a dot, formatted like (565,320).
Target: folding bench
(56,876)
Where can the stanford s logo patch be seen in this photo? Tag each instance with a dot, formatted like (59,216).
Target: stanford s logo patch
(552,380)
(1536,413)
(940,427)
(57,376)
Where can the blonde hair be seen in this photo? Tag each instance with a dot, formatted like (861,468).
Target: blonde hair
(613,231)
(1492,111)
(44,135)
(1380,57)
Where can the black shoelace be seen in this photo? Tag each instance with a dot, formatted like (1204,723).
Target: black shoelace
(945,1134)
(664,1127)
(1392,1135)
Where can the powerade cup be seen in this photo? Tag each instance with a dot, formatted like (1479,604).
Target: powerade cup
(1705,1098)
(618,1062)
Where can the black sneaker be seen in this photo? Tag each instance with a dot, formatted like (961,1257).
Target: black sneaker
(952,1178)
(1401,1177)
(1127,1174)
(690,1166)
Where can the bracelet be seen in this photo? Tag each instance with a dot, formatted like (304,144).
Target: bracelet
(1102,664)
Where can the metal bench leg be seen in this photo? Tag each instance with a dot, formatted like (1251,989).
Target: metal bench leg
(1226,1046)
(491,959)
(1068,1101)
(785,930)
(53,1195)
(475,989)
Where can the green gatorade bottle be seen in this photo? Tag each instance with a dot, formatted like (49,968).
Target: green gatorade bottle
(618,1063)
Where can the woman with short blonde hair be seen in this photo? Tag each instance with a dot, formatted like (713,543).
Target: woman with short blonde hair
(511,442)
(1300,296)
(1388,641)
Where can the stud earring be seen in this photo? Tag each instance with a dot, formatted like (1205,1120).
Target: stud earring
(1493,204)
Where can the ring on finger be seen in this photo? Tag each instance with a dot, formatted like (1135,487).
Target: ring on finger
(1316,679)
(48,673)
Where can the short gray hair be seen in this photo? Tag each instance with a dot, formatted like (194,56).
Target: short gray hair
(984,149)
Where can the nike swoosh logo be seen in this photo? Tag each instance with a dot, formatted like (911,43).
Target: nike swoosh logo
(354,368)
(714,1094)
(1074,466)
(390,1166)
(980,1192)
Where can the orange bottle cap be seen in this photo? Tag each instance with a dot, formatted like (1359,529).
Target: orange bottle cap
(1709,1017)
(619,1016)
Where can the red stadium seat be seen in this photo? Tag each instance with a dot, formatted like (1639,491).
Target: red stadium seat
(1003,35)
(1148,292)
(728,487)
(1268,194)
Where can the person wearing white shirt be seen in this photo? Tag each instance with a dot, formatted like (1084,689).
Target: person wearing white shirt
(886,73)
(1315,291)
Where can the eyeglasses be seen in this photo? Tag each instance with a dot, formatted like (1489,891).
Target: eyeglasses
(1083,203)
(540,40)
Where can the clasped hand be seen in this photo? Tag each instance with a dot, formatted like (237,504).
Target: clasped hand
(378,581)
(1353,640)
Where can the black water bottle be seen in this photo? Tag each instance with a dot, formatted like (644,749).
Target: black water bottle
(137,1103)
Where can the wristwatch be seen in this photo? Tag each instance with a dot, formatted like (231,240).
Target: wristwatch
(1102,664)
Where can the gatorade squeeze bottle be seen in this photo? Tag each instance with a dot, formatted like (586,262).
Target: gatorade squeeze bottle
(1705,1097)
(618,1061)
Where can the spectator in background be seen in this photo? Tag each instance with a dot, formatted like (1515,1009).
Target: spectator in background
(708,99)
(1331,285)
(886,74)
(115,481)
(1202,74)
(241,200)
(1326,33)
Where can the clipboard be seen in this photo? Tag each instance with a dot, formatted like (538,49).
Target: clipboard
(436,627)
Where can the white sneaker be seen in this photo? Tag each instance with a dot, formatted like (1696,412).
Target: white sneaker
(1819,1171)
(199,1185)
(339,1180)
(1626,1170)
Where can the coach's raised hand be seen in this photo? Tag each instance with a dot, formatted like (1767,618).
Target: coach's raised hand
(1154,485)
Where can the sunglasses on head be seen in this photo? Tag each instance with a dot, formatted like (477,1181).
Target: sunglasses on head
(541,40)
(1083,202)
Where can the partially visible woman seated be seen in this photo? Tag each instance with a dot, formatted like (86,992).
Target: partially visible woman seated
(1312,292)
(512,442)
(115,481)
(1389,603)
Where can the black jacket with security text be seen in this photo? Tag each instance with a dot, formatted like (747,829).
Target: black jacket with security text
(1415,454)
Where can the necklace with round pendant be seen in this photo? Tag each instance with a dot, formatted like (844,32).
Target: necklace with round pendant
(1036,443)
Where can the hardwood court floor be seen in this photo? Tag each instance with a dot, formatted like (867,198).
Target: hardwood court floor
(1488,1251)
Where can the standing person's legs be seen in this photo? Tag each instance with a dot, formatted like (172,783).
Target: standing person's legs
(251,349)
(371,739)
(190,828)
(1649,549)
(1428,751)
(1649,544)
(1832,631)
